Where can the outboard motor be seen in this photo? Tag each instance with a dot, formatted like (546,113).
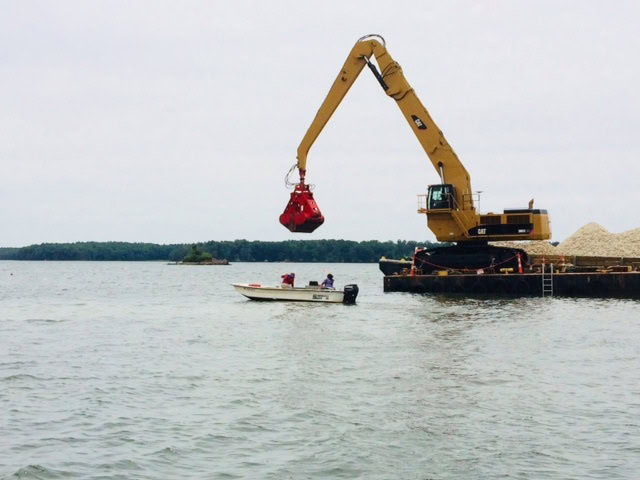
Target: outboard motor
(350,294)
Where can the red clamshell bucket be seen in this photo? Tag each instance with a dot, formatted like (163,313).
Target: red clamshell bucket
(302,213)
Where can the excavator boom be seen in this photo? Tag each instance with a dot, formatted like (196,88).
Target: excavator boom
(395,85)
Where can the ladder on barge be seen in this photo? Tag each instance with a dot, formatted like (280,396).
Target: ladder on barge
(547,280)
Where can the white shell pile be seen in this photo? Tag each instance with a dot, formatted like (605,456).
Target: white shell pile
(589,240)
(594,240)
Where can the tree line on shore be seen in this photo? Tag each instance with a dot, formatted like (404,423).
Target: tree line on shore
(334,251)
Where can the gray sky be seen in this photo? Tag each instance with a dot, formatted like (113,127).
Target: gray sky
(177,121)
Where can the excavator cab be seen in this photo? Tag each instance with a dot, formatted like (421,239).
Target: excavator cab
(301,213)
(441,197)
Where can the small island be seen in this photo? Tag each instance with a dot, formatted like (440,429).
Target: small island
(195,256)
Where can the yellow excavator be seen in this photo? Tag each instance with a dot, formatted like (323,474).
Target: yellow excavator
(449,205)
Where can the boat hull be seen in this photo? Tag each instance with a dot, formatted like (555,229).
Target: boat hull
(306,294)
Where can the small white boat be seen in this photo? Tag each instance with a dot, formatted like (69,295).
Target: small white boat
(311,293)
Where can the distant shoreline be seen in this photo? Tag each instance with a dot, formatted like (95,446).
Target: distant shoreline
(307,251)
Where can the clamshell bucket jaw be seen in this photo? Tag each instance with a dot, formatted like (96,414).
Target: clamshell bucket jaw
(302,213)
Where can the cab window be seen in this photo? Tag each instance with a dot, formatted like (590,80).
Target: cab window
(439,197)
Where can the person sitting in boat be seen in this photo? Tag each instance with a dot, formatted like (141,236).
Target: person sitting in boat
(328,282)
(288,279)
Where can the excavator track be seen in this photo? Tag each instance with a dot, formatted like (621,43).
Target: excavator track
(470,258)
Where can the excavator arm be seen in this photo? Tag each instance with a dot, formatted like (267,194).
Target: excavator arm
(395,85)
(302,213)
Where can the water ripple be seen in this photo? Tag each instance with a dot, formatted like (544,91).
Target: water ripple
(38,472)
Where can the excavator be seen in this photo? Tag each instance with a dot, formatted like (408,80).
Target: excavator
(450,205)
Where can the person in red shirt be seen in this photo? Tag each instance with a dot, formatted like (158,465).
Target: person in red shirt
(288,279)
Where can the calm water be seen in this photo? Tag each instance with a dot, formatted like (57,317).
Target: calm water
(150,371)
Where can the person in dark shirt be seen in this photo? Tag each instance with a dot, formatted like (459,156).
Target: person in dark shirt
(328,282)
(288,279)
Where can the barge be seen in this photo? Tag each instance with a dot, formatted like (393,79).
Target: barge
(581,284)
(604,277)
